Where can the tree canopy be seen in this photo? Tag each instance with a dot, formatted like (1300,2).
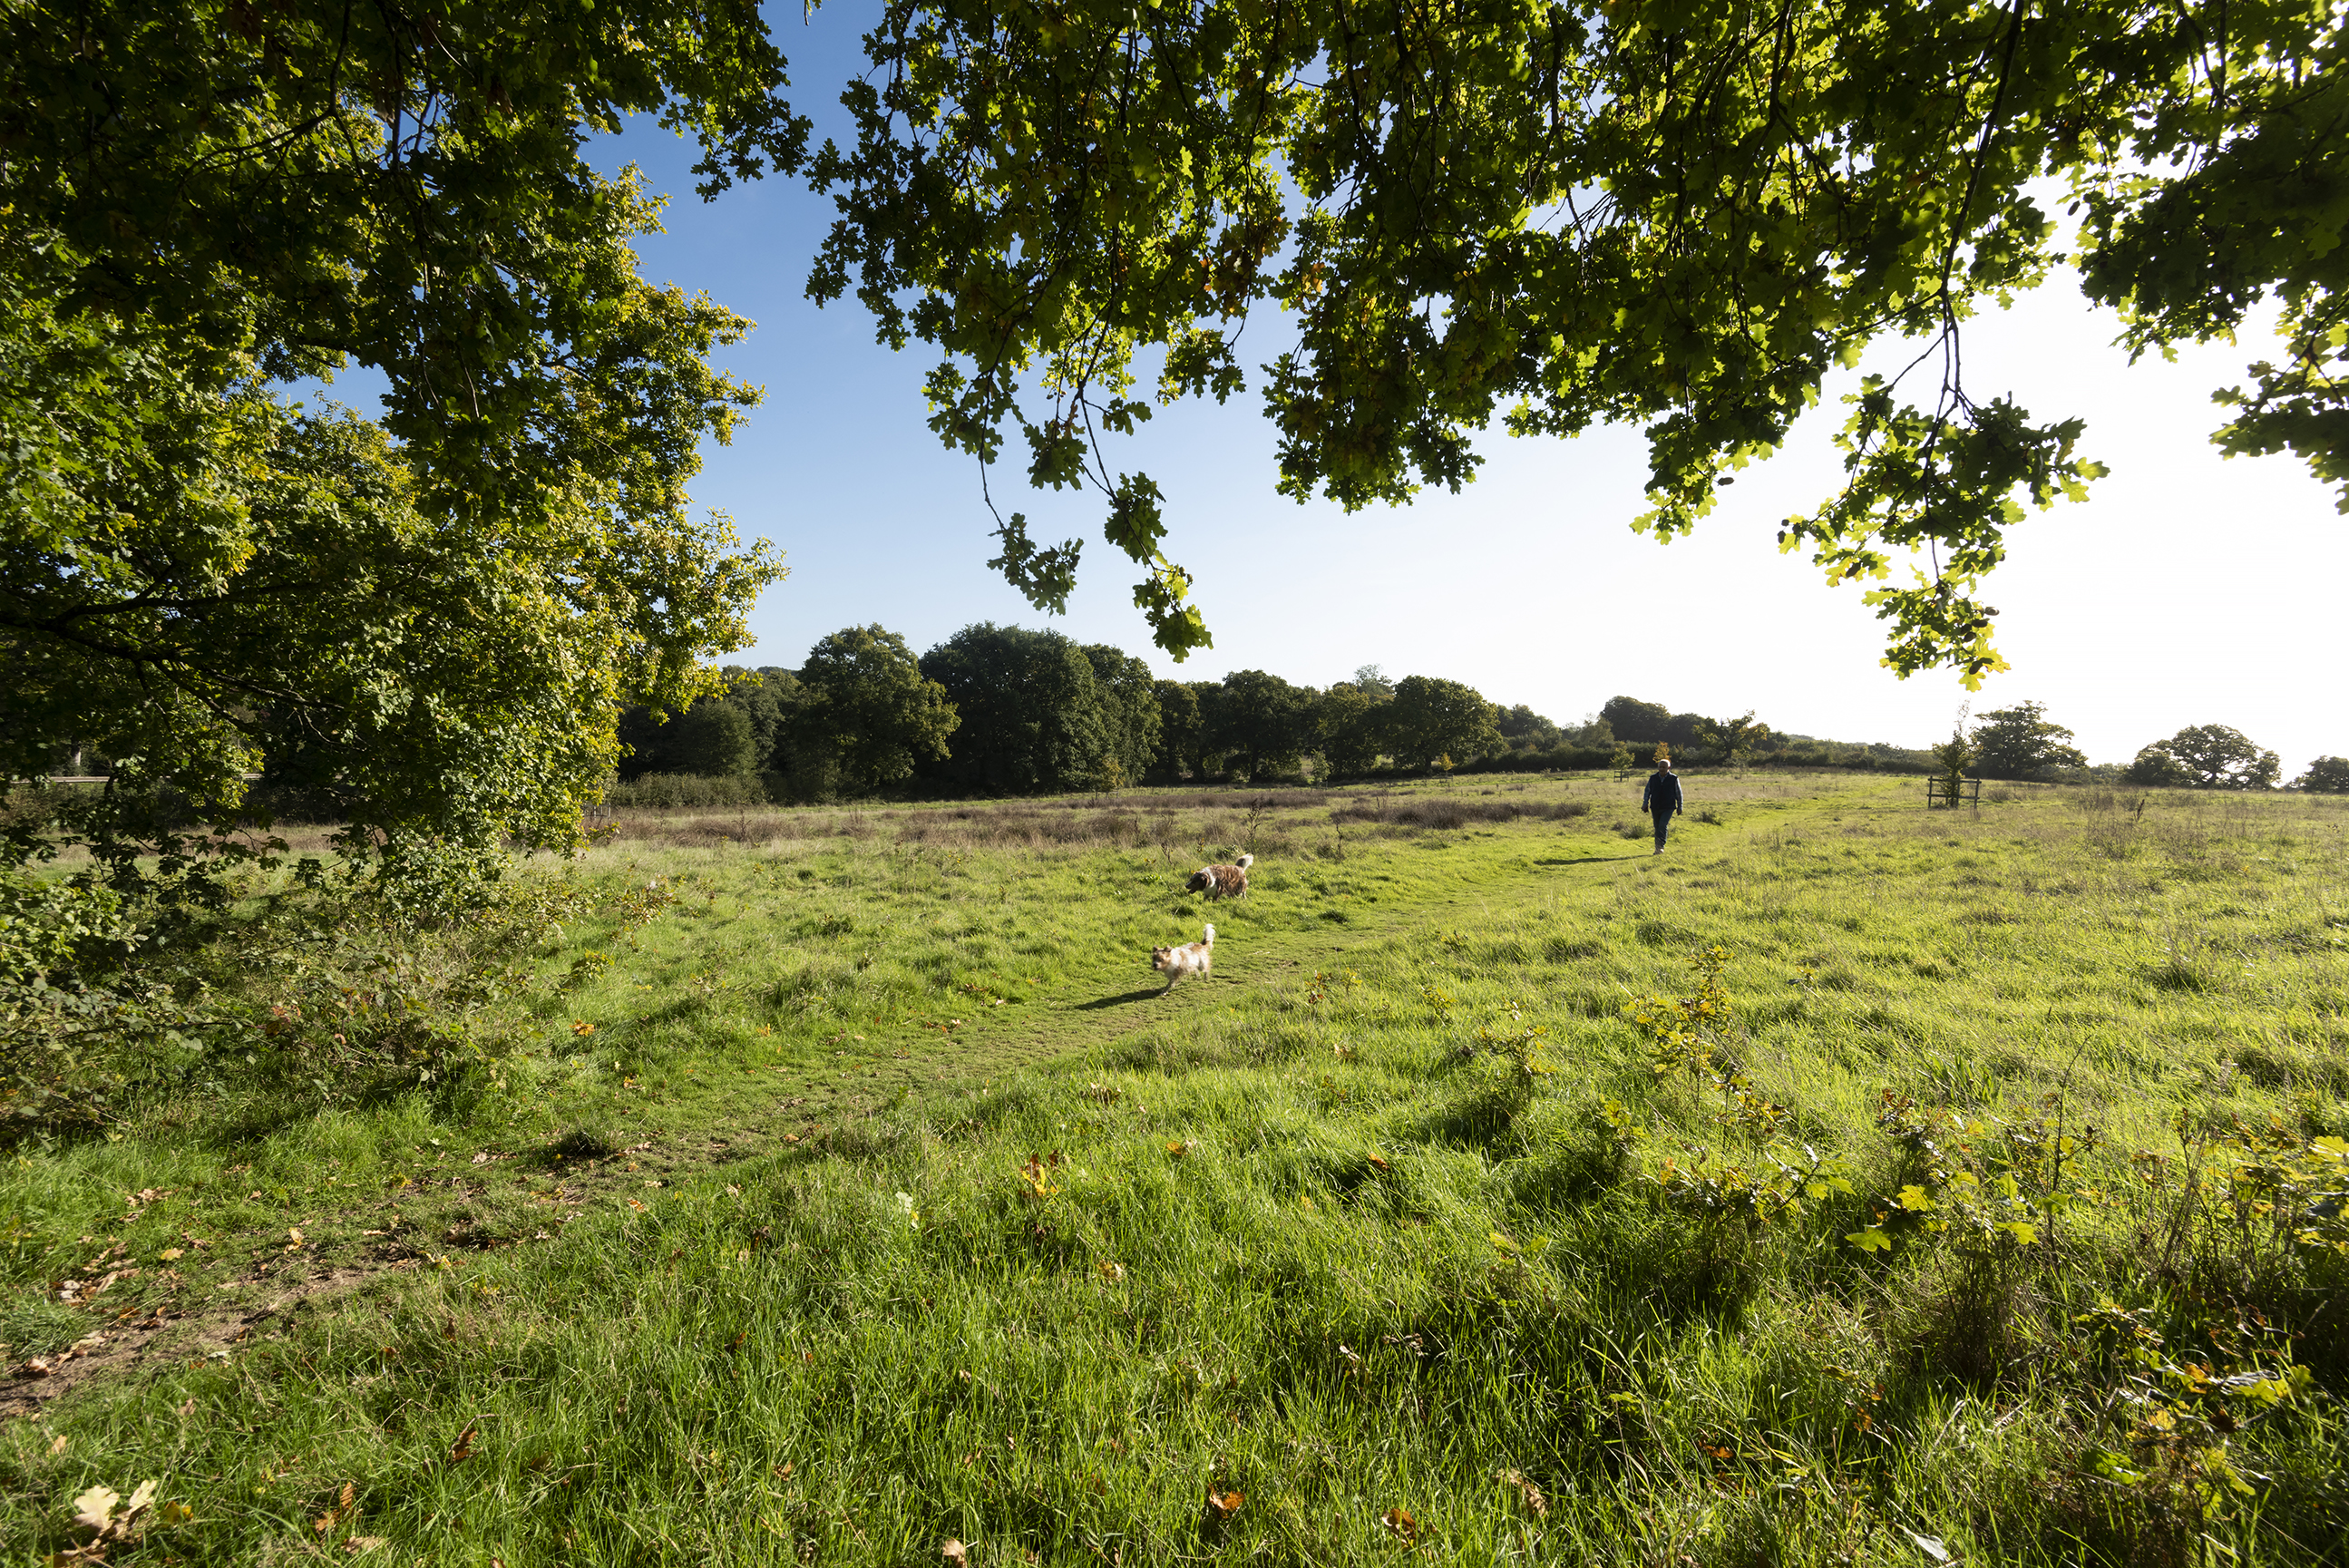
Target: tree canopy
(439,611)
(1431,718)
(1182,732)
(1641,722)
(2207,757)
(1352,722)
(1264,722)
(2021,742)
(2325,776)
(1129,699)
(1526,730)
(714,737)
(1032,716)
(1560,215)
(869,716)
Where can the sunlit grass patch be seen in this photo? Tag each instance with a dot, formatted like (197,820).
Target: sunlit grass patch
(1485,1226)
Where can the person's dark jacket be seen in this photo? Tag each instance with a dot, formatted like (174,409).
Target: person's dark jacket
(1662,795)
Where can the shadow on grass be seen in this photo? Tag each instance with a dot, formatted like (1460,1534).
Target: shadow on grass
(1587,860)
(1142,995)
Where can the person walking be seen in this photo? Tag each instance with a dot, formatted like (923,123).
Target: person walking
(1662,797)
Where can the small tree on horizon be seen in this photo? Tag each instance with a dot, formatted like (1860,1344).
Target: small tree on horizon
(2020,742)
(1955,755)
(2325,776)
(1432,718)
(1628,718)
(2207,757)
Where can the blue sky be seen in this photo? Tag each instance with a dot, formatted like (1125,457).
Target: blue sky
(2189,589)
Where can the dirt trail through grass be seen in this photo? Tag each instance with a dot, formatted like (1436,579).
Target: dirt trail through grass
(774,1109)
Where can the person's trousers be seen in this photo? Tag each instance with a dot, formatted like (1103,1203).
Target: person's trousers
(1664,825)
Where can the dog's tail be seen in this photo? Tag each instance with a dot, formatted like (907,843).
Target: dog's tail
(1246,862)
(1209,940)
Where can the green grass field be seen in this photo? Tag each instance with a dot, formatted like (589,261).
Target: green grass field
(1851,1183)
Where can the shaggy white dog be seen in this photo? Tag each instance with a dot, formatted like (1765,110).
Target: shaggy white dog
(1191,958)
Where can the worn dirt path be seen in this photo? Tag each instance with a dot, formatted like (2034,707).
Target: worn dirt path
(781,1109)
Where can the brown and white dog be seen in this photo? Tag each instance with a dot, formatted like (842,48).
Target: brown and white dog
(1221,882)
(1191,958)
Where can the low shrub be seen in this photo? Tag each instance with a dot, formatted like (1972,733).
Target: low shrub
(1439,812)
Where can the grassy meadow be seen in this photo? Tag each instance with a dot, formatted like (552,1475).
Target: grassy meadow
(1850,1183)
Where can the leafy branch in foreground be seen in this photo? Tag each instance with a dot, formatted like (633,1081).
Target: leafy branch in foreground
(330,990)
(427,620)
(1680,217)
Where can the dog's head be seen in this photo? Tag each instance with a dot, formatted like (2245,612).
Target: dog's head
(1201,879)
(1159,957)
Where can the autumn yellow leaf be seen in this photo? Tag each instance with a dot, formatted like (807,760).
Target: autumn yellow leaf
(462,1448)
(1404,1528)
(1527,1492)
(95,1507)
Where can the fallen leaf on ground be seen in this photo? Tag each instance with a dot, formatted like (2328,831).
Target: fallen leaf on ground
(1527,1490)
(1399,1521)
(1227,1503)
(954,1550)
(462,1448)
(94,1509)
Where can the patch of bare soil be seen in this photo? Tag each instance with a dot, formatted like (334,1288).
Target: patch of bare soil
(257,1299)
(192,1335)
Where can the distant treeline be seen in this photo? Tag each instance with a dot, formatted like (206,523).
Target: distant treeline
(1004,710)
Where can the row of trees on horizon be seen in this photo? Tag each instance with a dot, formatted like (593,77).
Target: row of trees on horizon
(997,710)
